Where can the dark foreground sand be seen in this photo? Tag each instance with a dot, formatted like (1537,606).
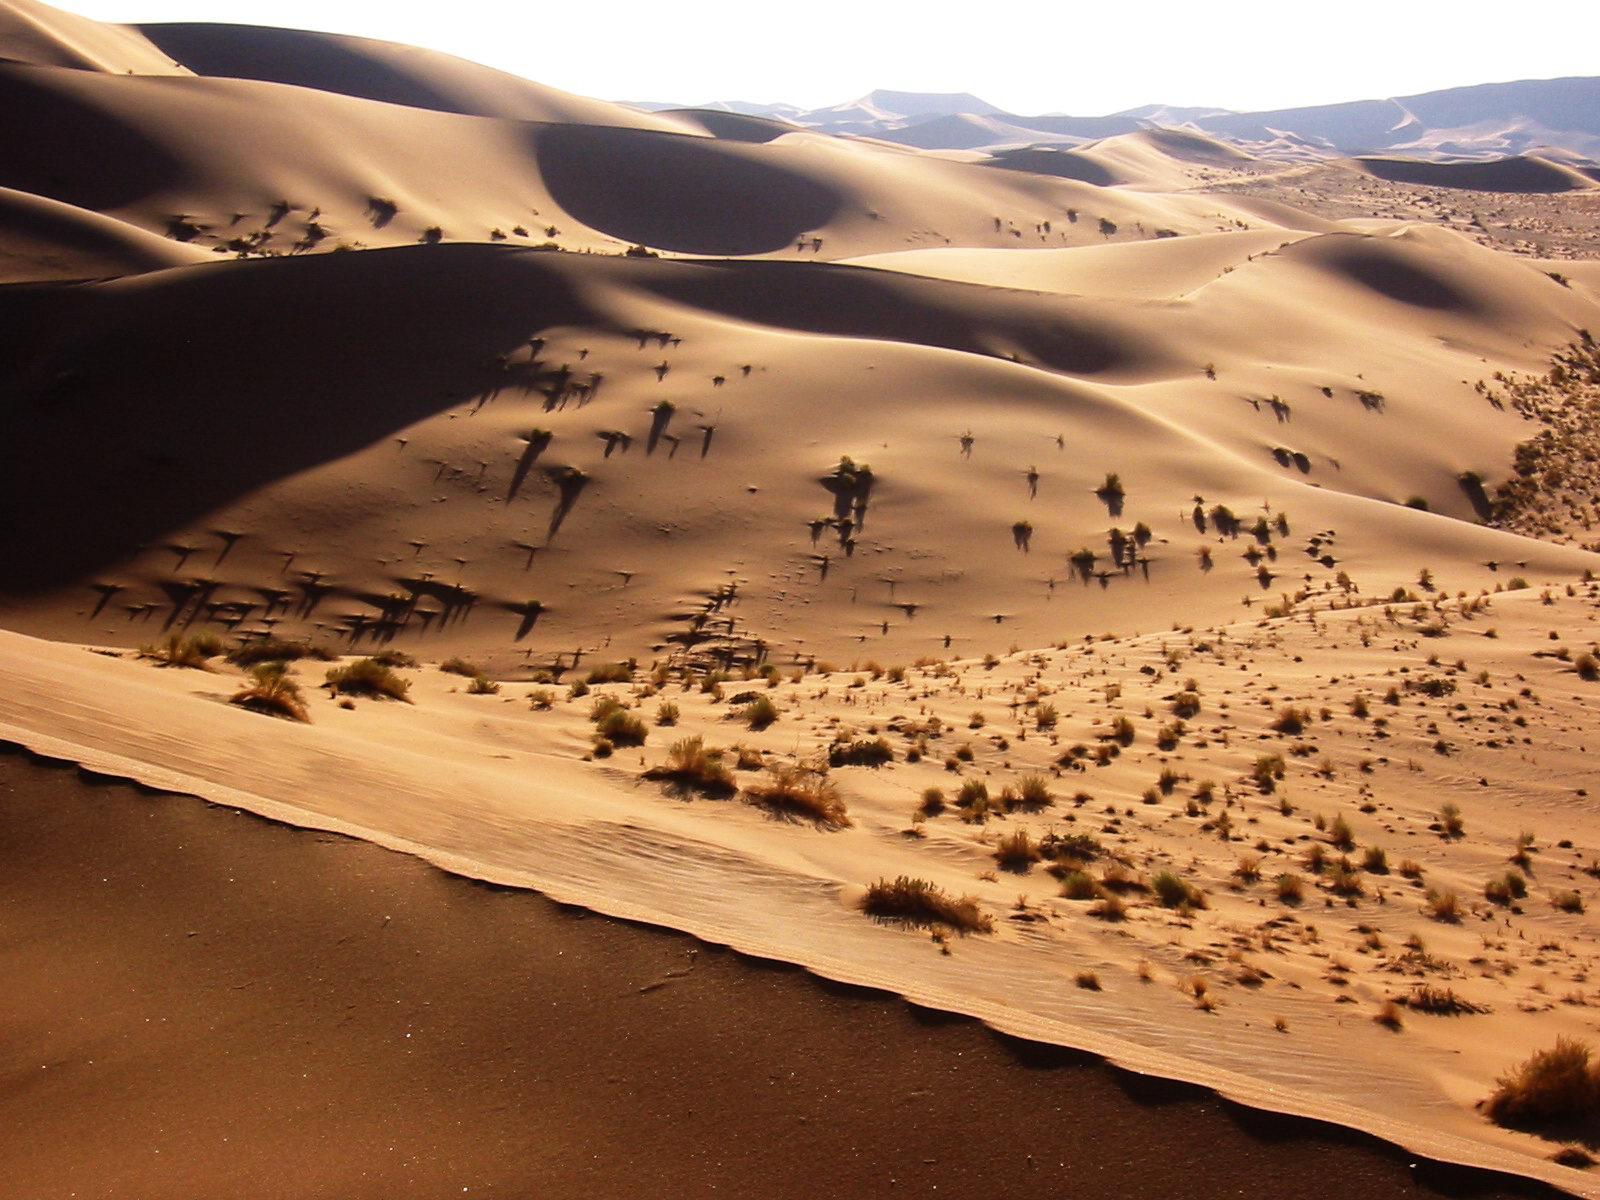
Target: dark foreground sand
(198,1003)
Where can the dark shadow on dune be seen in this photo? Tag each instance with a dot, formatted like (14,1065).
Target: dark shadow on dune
(54,144)
(135,408)
(1380,269)
(847,301)
(1525,175)
(734,127)
(294,56)
(677,192)
(1058,164)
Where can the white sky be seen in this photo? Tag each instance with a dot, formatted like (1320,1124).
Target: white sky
(1025,56)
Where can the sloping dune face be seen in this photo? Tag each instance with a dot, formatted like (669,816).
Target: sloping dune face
(1522,173)
(47,37)
(528,452)
(690,194)
(383,71)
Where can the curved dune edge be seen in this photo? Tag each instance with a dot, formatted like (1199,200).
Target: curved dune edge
(1438,1147)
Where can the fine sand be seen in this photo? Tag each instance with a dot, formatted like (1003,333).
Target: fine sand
(200,1003)
(1186,555)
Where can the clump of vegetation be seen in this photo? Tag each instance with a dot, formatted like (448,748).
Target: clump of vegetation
(271,649)
(1559,1084)
(460,666)
(482,685)
(917,902)
(759,713)
(610,673)
(194,651)
(1291,888)
(621,727)
(368,677)
(1291,720)
(1443,905)
(864,752)
(1441,1001)
(1017,851)
(272,691)
(1033,793)
(667,713)
(1175,892)
(394,658)
(693,766)
(1503,889)
(800,792)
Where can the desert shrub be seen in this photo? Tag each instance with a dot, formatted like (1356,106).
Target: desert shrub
(666,713)
(972,792)
(1559,1084)
(863,752)
(270,649)
(395,659)
(1033,793)
(1567,901)
(1174,891)
(1016,851)
(368,677)
(1122,731)
(797,792)
(1440,1001)
(1109,908)
(482,685)
(693,766)
(1046,716)
(1587,667)
(917,902)
(1079,885)
(1450,820)
(1186,704)
(1340,833)
(1291,720)
(272,691)
(932,803)
(1087,980)
(620,672)
(1375,860)
(759,713)
(193,651)
(622,728)
(460,666)
(541,699)
(1503,889)
(1267,771)
(1290,887)
(1443,905)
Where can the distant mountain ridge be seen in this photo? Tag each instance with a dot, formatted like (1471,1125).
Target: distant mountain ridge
(1553,117)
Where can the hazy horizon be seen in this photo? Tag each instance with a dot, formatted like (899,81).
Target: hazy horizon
(1024,61)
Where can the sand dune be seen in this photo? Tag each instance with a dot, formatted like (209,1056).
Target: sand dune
(1517,174)
(45,239)
(996,460)
(48,37)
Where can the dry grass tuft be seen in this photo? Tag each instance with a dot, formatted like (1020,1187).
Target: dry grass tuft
(369,677)
(1016,851)
(692,766)
(1559,1084)
(798,792)
(271,691)
(194,651)
(917,902)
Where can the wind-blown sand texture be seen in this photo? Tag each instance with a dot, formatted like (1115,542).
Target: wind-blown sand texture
(1185,540)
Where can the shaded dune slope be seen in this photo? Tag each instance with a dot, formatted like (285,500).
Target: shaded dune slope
(1522,173)
(49,37)
(486,427)
(384,71)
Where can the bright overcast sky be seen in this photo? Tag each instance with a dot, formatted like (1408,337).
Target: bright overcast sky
(1027,56)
